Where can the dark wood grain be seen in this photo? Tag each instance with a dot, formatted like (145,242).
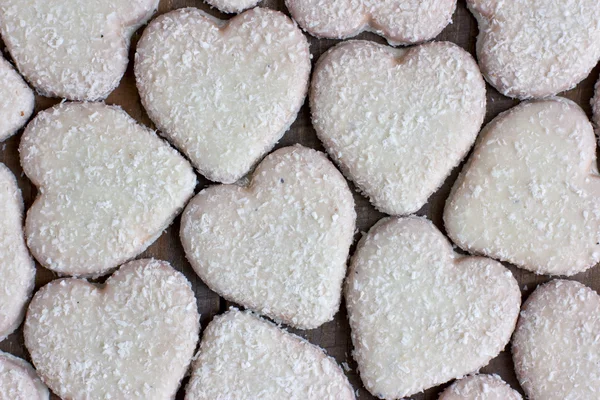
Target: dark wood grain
(333,336)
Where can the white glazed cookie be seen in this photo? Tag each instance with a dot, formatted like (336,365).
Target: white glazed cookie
(108,187)
(399,21)
(132,338)
(19,381)
(223,92)
(480,387)
(397,121)
(536,48)
(278,246)
(17,270)
(16,100)
(555,347)
(232,6)
(243,357)
(76,49)
(421,314)
(530,192)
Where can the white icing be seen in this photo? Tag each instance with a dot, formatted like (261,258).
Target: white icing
(530,192)
(16,100)
(536,48)
(223,92)
(19,381)
(132,338)
(421,314)
(243,357)
(232,6)
(76,49)
(278,246)
(108,187)
(555,347)
(17,270)
(399,21)
(480,387)
(397,120)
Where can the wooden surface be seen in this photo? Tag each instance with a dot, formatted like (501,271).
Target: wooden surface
(333,336)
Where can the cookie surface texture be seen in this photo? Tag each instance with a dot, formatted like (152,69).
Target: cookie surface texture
(77,50)
(555,347)
(480,387)
(108,187)
(16,100)
(536,48)
(243,357)
(132,338)
(19,381)
(223,92)
(420,314)
(232,6)
(17,268)
(530,192)
(287,233)
(397,121)
(399,21)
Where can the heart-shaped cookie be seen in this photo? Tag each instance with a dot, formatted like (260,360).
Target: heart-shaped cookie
(480,387)
(279,245)
(108,187)
(244,357)
(16,100)
(17,270)
(19,381)
(399,21)
(530,193)
(536,48)
(132,338)
(223,92)
(421,314)
(76,49)
(397,120)
(555,346)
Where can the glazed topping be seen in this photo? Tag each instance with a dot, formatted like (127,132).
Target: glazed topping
(223,92)
(131,339)
(76,49)
(247,358)
(420,314)
(108,187)
(278,246)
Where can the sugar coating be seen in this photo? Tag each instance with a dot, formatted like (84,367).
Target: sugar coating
(243,357)
(480,387)
(223,92)
(536,48)
(19,381)
(397,121)
(279,245)
(530,193)
(421,314)
(108,187)
(555,347)
(399,21)
(76,49)
(232,6)
(16,100)
(132,338)
(17,270)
